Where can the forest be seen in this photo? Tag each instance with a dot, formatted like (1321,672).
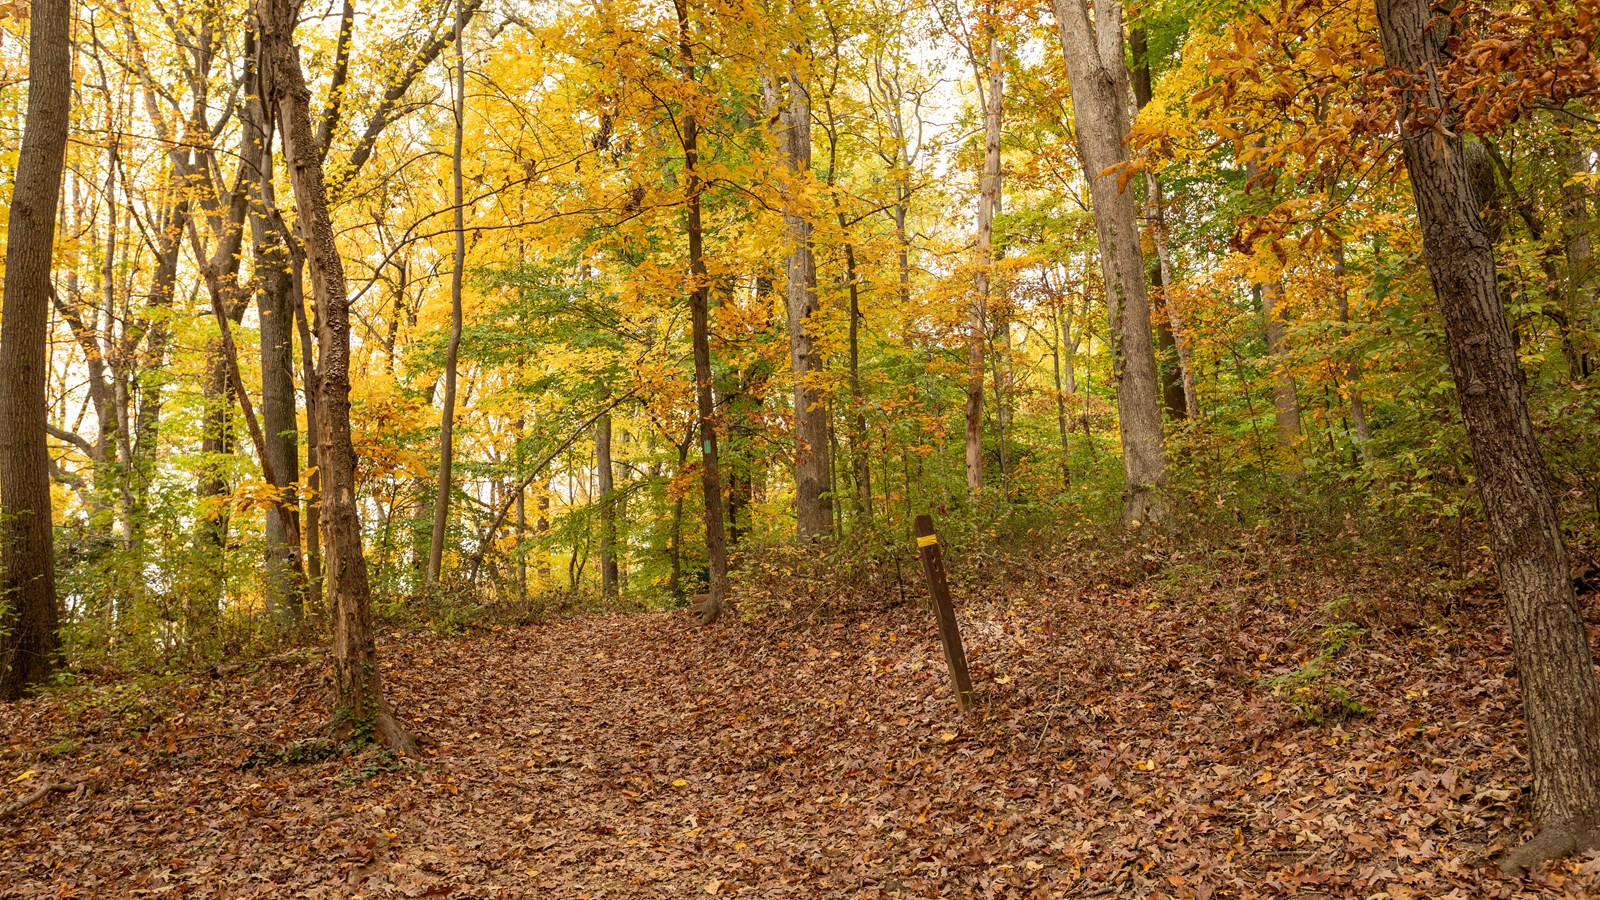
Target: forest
(798,448)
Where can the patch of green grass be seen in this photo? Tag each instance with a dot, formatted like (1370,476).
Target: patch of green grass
(1312,690)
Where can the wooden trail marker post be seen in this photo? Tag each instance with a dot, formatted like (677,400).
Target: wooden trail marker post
(955,656)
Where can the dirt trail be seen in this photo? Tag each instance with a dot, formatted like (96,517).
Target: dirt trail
(1118,750)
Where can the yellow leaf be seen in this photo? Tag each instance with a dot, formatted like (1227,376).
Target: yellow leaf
(680,783)
(25,776)
(713,885)
(947,736)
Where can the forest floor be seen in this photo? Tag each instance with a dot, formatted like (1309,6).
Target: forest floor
(1125,744)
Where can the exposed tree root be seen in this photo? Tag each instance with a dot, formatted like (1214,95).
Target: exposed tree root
(390,732)
(1552,842)
(705,611)
(384,729)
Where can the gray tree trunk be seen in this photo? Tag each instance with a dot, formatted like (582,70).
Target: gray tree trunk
(790,102)
(1099,82)
(447,418)
(275,302)
(983,279)
(1285,393)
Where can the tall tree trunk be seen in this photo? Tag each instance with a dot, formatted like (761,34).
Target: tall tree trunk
(28,619)
(149,379)
(790,100)
(1175,379)
(1057,350)
(988,206)
(1578,243)
(699,313)
(275,303)
(859,463)
(447,418)
(1173,397)
(1285,392)
(1560,696)
(675,536)
(361,708)
(608,512)
(519,428)
(1099,83)
(313,517)
(1358,407)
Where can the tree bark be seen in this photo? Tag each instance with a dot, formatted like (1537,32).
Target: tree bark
(700,313)
(1174,375)
(859,463)
(609,575)
(789,100)
(1578,245)
(983,279)
(361,709)
(313,517)
(447,417)
(29,617)
(1285,392)
(1560,696)
(1099,84)
(275,303)
(1358,407)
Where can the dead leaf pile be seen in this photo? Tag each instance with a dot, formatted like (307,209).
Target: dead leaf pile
(1122,747)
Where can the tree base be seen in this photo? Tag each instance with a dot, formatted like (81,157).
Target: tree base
(1552,842)
(385,729)
(708,614)
(1145,506)
(705,609)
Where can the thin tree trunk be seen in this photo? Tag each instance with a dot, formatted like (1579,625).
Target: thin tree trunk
(675,537)
(859,463)
(860,467)
(1285,392)
(988,206)
(1578,244)
(276,303)
(361,708)
(313,517)
(1057,350)
(447,418)
(1358,408)
(1099,82)
(519,427)
(1169,305)
(28,619)
(609,578)
(699,310)
(1175,379)
(1560,696)
(149,378)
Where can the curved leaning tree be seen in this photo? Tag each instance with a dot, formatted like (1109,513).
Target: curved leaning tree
(361,709)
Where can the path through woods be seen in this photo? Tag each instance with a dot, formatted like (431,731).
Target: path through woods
(637,756)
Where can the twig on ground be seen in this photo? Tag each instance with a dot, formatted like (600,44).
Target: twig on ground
(39,793)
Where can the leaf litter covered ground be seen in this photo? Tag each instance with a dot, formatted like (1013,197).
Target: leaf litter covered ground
(1125,745)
